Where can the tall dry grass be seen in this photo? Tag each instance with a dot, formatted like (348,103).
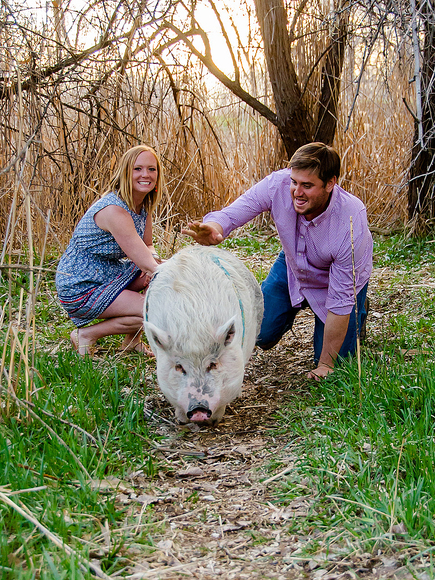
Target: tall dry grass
(375,132)
(70,134)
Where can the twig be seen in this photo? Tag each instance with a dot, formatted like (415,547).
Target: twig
(25,268)
(365,59)
(53,477)
(385,231)
(358,503)
(28,490)
(84,564)
(156,417)
(162,448)
(278,475)
(220,526)
(393,507)
(73,425)
(165,570)
(414,116)
(358,344)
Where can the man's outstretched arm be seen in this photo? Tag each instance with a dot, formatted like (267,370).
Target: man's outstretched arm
(208,234)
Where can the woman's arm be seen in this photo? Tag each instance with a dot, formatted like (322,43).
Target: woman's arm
(119,223)
(148,238)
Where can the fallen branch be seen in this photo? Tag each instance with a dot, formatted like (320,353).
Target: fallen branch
(83,563)
(384,231)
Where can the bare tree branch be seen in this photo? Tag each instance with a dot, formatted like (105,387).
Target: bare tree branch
(206,59)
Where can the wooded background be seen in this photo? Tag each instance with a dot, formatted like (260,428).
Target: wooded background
(224,91)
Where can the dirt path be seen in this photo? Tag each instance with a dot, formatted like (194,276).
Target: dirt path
(213,512)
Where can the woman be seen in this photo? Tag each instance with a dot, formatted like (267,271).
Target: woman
(111,257)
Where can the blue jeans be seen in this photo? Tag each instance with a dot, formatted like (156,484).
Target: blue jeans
(279,314)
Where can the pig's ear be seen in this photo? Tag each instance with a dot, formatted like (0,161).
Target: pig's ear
(158,336)
(226,332)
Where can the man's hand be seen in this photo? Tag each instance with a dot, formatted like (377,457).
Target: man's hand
(320,372)
(208,234)
(335,331)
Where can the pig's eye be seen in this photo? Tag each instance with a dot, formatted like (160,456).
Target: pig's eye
(211,366)
(180,369)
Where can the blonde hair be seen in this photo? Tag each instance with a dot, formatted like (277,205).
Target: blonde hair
(121,182)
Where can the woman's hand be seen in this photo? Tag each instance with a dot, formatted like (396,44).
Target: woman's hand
(157,258)
(145,279)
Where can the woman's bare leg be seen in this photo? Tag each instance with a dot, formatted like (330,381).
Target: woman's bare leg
(123,316)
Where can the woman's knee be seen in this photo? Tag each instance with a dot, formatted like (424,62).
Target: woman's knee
(127,303)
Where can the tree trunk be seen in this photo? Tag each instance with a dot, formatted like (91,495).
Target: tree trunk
(293,120)
(421,192)
(296,124)
(331,76)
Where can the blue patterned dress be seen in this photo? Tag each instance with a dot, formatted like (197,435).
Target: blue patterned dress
(94,270)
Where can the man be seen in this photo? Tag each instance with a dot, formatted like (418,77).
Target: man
(313,217)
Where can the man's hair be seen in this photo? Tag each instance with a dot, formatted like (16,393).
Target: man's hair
(121,182)
(318,158)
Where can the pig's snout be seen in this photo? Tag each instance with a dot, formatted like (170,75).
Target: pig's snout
(199,415)
(199,412)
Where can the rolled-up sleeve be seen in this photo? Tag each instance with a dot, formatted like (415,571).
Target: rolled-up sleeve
(341,291)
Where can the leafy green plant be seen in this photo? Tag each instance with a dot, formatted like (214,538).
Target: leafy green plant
(84,423)
(407,252)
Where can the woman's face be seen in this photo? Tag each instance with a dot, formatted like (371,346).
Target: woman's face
(144,175)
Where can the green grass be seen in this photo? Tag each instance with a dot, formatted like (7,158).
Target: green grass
(399,251)
(253,242)
(256,249)
(106,404)
(89,426)
(366,449)
(367,462)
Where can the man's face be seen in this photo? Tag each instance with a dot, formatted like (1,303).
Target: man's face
(310,197)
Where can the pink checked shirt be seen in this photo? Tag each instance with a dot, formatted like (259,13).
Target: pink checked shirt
(318,252)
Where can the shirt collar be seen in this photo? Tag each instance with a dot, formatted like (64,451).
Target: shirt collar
(326,214)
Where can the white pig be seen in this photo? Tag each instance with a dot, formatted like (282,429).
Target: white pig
(202,313)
